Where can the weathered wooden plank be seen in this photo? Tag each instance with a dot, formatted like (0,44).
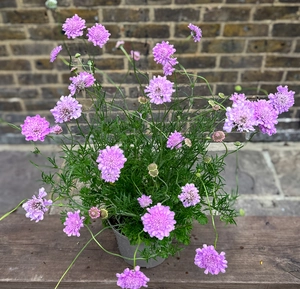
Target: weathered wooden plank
(262,253)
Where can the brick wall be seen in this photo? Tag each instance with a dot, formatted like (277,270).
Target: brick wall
(254,43)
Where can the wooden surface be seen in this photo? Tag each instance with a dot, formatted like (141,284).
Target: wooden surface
(262,253)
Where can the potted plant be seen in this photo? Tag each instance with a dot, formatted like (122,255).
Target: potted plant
(145,170)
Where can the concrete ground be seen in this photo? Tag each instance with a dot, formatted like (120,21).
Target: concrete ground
(269,177)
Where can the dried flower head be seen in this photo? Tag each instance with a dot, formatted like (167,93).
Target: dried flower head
(218,136)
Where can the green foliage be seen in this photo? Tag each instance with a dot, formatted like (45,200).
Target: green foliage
(142,134)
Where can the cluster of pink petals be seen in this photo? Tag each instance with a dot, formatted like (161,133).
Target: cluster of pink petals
(57,129)
(163,54)
(145,201)
(159,90)
(110,162)
(196,32)
(210,260)
(132,279)
(66,108)
(73,223)
(175,140)
(159,221)
(37,206)
(55,52)
(283,99)
(81,81)
(35,128)
(74,26)
(98,35)
(189,196)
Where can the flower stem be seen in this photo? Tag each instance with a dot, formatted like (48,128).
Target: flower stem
(14,209)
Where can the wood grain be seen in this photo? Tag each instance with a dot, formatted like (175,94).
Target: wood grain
(262,253)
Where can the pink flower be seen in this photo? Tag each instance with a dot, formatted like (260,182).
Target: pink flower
(98,35)
(210,260)
(111,160)
(175,140)
(57,129)
(132,279)
(37,206)
(144,201)
(196,32)
(189,196)
(74,26)
(35,128)
(73,224)
(159,90)
(283,99)
(66,108)
(159,221)
(81,81)
(55,52)
(135,55)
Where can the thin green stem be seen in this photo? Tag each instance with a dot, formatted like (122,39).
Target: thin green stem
(14,209)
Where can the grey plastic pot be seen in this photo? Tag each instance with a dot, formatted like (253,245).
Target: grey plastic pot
(127,250)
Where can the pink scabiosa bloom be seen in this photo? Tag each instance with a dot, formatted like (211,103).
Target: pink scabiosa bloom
(132,279)
(111,160)
(94,212)
(210,260)
(37,206)
(175,140)
(163,53)
(218,136)
(237,97)
(74,26)
(35,128)
(196,32)
(266,116)
(240,116)
(81,81)
(283,99)
(159,221)
(55,51)
(135,55)
(159,90)
(73,223)
(189,196)
(145,201)
(66,108)
(57,129)
(98,35)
